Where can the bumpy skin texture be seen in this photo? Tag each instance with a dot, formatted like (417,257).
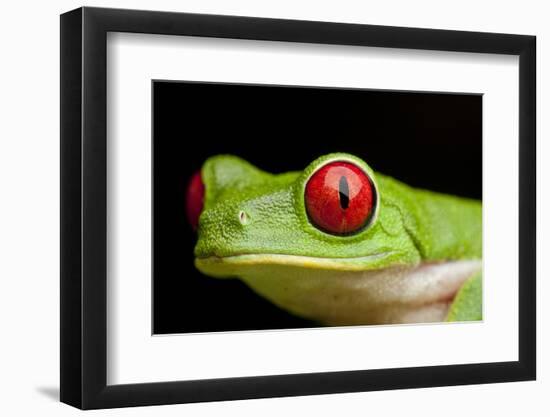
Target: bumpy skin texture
(250,212)
(467,305)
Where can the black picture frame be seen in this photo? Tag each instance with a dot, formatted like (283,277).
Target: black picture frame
(83,207)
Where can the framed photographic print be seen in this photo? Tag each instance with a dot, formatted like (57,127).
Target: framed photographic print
(258,207)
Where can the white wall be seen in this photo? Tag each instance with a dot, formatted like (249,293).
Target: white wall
(29,208)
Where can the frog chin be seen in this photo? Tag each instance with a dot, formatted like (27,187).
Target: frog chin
(356,291)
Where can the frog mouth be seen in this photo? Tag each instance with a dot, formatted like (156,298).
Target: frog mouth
(217,265)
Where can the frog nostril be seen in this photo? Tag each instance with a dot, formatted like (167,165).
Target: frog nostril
(243,217)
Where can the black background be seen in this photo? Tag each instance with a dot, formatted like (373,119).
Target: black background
(428,140)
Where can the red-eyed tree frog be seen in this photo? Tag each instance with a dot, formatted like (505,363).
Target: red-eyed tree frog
(339,243)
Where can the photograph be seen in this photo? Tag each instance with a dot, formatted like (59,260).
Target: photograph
(288,207)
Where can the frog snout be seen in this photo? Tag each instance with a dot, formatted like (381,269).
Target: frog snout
(223,219)
(222,229)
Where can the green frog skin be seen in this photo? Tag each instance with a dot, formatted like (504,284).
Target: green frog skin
(417,257)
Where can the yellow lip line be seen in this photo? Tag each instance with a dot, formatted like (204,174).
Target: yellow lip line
(293,260)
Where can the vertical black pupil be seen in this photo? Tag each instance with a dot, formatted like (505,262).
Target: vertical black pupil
(343,192)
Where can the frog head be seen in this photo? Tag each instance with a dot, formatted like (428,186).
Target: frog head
(331,216)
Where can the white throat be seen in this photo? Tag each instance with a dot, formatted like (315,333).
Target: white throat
(418,294)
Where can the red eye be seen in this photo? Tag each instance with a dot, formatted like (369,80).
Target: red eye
(340,198)
(194,199)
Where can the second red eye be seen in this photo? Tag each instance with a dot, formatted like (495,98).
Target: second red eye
(194,199)
(340,198)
